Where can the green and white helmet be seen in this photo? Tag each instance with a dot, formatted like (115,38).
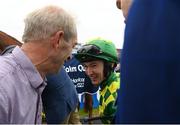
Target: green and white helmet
(98,49)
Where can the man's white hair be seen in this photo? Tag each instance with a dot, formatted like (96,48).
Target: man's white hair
(43,23)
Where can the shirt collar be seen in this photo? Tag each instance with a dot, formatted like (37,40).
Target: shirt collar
(31,72)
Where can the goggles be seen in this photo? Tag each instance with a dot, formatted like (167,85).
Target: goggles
(90,49)
(93,50)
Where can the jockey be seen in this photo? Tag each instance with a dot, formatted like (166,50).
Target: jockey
(99,58)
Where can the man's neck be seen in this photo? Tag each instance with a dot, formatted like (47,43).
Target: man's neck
(38,56)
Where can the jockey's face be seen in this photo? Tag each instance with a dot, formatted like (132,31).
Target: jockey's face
(95,71)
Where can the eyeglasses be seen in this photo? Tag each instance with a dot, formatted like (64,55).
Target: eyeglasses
(90,49)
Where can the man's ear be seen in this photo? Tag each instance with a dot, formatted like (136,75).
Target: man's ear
(58,37)
(118,4)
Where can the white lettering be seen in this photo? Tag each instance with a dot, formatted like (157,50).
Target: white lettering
(78,80)
(81,68)
(71,69)
(80,85)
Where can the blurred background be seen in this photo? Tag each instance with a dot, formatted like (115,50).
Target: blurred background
(95,18)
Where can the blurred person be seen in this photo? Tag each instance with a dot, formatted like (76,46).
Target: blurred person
(49,36)
(60,100)
(150,64)
(99,58)
(124,5)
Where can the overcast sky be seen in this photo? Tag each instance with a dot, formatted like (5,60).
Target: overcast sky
(95,18)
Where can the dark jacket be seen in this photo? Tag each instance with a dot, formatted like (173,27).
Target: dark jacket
(59,97)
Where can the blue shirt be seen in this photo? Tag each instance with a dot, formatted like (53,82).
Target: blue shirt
(150,67)
(59,97)
(20,88)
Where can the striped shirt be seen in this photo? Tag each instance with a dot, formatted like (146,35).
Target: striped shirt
(20,89)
